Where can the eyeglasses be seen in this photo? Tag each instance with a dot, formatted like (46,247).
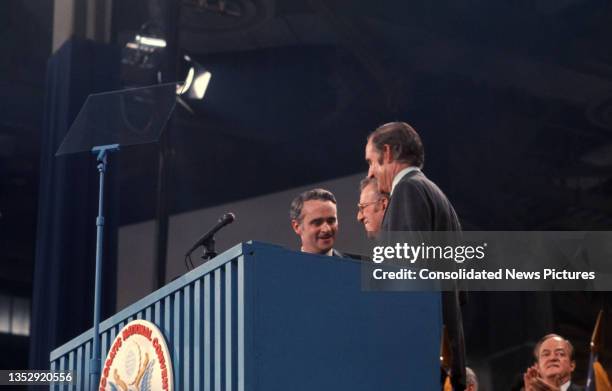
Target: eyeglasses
(361,207)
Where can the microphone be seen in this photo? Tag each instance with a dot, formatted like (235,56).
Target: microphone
(226,219)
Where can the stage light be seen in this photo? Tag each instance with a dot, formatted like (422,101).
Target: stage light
(151,41)
(196,82)
(146,49)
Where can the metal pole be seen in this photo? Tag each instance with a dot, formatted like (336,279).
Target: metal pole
(168,14)
(94,365)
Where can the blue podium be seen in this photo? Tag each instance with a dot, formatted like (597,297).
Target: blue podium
(261,318)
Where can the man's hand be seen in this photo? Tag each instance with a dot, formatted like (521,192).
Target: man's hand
(540,385)
(533,382)
(529,378)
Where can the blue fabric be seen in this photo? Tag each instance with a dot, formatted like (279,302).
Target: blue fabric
(62,298)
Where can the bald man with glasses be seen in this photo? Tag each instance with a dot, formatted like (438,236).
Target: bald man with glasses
(371,207)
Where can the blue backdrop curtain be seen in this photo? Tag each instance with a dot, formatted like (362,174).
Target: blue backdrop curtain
(62,298)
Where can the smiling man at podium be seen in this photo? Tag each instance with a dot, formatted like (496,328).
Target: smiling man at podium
(314,219)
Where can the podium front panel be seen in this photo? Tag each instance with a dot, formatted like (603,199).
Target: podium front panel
(260,317)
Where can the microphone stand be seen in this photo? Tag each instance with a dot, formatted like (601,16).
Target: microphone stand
(208,239)
(209,249)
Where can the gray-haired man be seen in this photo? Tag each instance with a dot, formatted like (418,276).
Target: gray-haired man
(315,220)
(371,207)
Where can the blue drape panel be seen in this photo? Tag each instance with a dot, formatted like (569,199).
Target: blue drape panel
(62,298)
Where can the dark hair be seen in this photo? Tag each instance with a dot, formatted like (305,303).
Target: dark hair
(405,142)
(536,349)
(295,210)
(367,181)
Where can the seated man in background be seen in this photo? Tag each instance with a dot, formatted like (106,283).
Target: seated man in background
(314,219)
(372,206)
(554,365)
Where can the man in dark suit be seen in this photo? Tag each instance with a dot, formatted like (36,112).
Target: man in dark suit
(395,156)
(554,364)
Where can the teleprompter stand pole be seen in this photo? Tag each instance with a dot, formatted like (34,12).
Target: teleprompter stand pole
(95,363)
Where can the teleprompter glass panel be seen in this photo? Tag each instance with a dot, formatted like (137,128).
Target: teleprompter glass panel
(124,117)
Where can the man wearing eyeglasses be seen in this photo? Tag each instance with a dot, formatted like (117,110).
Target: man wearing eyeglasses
(371,207)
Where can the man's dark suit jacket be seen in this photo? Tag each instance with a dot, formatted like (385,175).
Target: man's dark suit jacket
(338,254)
(417,204)
(574,387)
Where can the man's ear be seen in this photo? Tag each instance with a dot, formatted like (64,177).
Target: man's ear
(387,156)
(572,366)
(385,203)
(297,227)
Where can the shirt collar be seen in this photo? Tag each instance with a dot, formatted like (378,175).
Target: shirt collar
(565,385)
(400,175)
(329,253)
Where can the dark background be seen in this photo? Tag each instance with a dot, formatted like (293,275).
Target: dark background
(513,100)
